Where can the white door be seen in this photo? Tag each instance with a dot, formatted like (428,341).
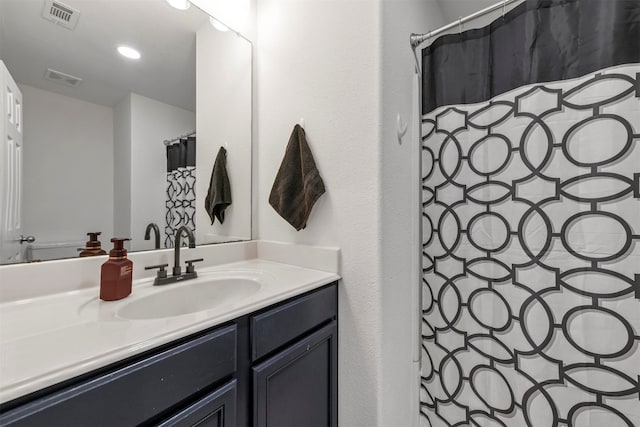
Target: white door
(11,152)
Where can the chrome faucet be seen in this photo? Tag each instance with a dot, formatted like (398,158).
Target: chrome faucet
(156,231)
(176,250)
(190,273)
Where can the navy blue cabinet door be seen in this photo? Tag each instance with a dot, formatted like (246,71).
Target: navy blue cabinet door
(298,386)
(217,409)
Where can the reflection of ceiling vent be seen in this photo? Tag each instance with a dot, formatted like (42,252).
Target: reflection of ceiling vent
(60,13)
(62,78)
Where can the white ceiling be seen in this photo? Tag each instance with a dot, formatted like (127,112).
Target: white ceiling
(29,45)
(165,36)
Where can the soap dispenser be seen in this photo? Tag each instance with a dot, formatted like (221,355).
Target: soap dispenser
(93,247)
(117,273)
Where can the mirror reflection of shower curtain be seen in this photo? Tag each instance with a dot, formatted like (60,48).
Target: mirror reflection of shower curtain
(531,219)
(181,188)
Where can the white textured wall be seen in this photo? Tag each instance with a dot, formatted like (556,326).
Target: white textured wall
(346,67)
(452,10)
(223,119)
(320,60)
(68,167)
(151,123)
(400,210)
(2,13)
(122,169)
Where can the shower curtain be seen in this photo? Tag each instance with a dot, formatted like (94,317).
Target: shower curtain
(181,188)
(531,219)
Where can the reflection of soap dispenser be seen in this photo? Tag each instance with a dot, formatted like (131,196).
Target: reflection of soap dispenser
(117,273)
(93,248)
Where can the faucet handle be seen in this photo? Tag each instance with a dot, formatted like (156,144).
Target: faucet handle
(162,273)
(190,267)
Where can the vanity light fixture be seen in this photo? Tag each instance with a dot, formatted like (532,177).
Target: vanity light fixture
(217,24)
(128,52)
(179,4)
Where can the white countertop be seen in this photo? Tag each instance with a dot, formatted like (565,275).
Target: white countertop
(52,338)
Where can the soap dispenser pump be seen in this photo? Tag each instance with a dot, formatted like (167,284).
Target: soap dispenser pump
(93,246)
(116,276)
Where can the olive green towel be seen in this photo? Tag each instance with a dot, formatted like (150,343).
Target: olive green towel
(219,194)
(298,184)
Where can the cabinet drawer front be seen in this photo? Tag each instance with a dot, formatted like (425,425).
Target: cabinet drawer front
(217,409)
(136,392)
(276,327)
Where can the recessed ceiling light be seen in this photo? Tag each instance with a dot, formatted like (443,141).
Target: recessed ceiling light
(180,4)
(128,52)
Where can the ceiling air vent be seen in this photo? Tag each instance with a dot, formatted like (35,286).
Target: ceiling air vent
(60,13)
(62,78)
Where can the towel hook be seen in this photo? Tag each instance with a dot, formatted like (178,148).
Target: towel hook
(460,24)
(401,128)
(301,122)
(504,8)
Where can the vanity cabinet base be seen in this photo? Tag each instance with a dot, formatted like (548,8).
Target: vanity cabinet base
(273,368)
(217,409)
(138,391)
(298,387)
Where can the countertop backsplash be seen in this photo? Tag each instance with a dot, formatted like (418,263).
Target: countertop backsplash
(25,281)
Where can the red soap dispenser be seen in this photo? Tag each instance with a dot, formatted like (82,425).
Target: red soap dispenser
(93,247)
(117,273)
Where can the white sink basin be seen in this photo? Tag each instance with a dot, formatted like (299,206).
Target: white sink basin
(189,297)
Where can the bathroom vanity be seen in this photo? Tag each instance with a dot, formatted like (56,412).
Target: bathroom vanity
(277,366)
(266,356)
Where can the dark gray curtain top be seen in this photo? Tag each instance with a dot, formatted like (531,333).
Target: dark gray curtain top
(181,154)
(537,41)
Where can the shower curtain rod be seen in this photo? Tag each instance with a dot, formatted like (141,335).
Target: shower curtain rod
(417,39)
(178,138)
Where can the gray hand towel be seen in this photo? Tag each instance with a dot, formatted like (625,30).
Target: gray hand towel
(298,184)
(219,194)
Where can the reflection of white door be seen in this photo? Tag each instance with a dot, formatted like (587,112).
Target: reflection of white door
(10,168)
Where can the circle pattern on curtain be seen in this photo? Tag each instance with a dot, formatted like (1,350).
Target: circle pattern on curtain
(531,255)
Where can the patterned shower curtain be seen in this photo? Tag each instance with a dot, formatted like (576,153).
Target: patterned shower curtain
(531,219)
(181,188)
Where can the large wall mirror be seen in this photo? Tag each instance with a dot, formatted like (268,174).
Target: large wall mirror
(94,141)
